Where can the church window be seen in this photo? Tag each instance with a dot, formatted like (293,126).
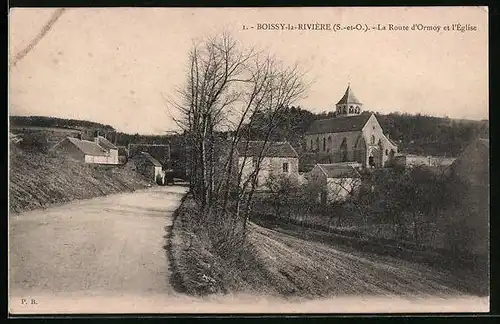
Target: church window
(351,109)
(324,144)
(373,139)
(386,152)
(312,146)
(343,150)
(317,143)
(357,110)
(345,110)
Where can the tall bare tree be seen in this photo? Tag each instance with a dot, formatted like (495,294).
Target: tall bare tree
(226,87)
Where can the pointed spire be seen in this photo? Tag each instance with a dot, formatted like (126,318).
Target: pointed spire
(349,97)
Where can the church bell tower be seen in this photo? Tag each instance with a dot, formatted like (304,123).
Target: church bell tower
(349,105)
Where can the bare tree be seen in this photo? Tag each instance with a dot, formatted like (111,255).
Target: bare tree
(226,87)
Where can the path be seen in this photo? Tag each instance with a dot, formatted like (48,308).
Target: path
(106,245)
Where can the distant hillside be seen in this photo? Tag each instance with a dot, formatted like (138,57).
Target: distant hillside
(54,122)
(416,134)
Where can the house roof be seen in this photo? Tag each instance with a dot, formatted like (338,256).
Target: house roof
(339,171)
(151,159)
(160,152)
(104,143)
(87,147)
(348,97)
(271,149)
(339,124)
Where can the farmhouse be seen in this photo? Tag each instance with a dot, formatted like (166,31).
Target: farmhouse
(352,135)
(277,158)
(145,164)
(335,181)
(160,152)
(99,151)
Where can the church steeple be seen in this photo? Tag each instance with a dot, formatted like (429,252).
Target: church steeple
(349,105)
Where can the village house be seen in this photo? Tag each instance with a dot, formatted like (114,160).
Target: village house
(148,166)
(160,152)
(277,158)
(99,151)
(335,182)
(352,135)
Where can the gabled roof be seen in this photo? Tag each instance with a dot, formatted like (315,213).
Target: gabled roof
(339,124)
(87,147)
(339,171)
(348,97)
(104,143)
(271,149)
(160,152)
(149,158)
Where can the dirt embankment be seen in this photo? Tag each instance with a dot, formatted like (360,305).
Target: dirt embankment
(37,180)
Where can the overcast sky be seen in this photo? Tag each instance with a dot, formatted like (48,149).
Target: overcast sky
(112,65)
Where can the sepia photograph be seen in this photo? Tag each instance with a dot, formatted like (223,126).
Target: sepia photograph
(303,160)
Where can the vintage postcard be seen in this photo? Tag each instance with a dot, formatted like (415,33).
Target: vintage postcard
(248,160)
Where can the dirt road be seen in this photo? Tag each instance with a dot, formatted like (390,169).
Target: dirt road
(106,255)
(106,245)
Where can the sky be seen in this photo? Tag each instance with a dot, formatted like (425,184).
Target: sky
(117,65)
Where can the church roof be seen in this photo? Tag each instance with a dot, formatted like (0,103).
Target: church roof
(348,97)
(339,124)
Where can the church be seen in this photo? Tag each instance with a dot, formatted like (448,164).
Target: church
(351,136)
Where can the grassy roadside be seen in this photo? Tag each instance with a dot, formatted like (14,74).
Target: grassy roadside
(467,273)
(298,262)
(199,270)
(37,180)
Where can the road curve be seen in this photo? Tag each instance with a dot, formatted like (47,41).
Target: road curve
(106,255)
(107,245)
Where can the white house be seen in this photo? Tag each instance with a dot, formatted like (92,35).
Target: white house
(278,158)
(99,151)
(335,181)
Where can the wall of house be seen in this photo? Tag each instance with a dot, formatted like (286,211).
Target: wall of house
(269,165)
(341,188)
(96,159)
(113,157)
